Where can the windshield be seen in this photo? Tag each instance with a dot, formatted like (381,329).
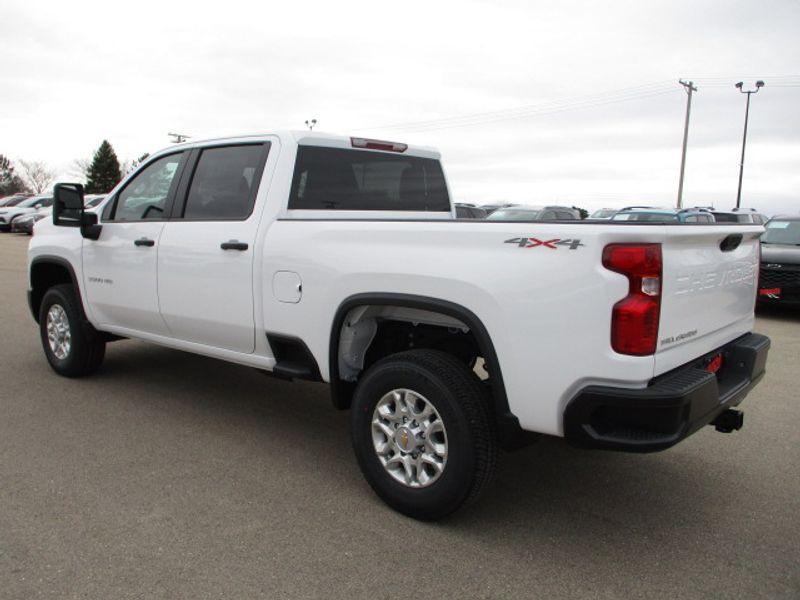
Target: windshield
(782,232)
(603,213)
(644,216)
(12,202)
(514,214)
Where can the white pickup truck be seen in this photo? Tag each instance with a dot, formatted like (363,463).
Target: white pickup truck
(339,259)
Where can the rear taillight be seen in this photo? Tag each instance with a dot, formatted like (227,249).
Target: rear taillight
(378,145)
(634,319)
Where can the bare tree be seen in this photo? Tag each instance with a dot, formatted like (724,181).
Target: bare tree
(37,175)
(80,168)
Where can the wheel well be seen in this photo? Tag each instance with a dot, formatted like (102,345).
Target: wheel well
(44,275)
(431,322)
(371,332)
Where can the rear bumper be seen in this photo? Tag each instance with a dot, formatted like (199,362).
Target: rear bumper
(672,407)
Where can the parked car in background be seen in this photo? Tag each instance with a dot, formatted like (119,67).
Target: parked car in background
(758,218)
(604,213)
(13,200)
(490,208)
(535,213)
(738,216)
(469,211)
(24,223)
(664,215)
(779,280)
(93,200)
(29,205)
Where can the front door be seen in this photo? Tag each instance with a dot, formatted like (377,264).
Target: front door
(119,268)
(206,252)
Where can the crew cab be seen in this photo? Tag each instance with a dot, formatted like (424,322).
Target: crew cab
(339,259)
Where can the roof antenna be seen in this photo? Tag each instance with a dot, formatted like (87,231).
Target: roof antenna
(178,138)
(310,124)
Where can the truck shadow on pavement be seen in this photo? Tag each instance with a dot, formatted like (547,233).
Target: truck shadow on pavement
(547,489)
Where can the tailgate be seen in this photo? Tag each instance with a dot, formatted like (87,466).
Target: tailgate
(708,290)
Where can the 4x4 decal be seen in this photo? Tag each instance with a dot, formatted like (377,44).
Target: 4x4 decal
(532,242)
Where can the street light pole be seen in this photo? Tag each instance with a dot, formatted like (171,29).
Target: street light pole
(689,87)
(759,85)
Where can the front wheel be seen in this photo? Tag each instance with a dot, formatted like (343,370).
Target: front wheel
(423,433)
(72,346)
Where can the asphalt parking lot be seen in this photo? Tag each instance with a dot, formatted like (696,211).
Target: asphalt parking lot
(169,475)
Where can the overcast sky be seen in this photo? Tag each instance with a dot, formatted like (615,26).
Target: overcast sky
(572,101)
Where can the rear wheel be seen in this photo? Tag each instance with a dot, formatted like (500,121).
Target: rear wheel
(72,346)
(423,433)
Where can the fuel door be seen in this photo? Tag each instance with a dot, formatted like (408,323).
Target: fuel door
(287,287)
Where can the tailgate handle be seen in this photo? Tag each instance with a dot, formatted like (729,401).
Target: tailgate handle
(731,242)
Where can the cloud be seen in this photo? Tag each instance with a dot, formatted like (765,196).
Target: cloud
(78,73)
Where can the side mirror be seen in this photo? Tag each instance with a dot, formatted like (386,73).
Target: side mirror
(37,206)
(69,211)
(67,204)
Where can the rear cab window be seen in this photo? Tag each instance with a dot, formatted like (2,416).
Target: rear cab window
(342,179)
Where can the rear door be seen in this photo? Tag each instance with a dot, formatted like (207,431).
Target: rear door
(708,292)
(119,268)
(206,253)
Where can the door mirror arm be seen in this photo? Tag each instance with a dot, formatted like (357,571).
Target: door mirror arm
(90,229)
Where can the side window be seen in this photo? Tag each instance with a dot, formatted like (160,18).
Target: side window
(462,212)
(224,183)
(563,215)
(692,219)
(145,196)
(548,215)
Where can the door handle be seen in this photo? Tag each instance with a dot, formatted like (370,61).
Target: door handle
(234,245)
(144,242)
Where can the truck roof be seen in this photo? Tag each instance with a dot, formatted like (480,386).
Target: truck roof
(311,138)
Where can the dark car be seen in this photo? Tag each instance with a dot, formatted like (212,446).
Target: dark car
(469,211)
(779,280)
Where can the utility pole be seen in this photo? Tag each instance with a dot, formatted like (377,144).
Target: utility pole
(690,88)
(759,85)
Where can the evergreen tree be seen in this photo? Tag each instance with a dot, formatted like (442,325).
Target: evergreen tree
(10,182)
(104,172)
(583,211)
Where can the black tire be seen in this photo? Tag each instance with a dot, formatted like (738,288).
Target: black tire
(458,397)
(87,347)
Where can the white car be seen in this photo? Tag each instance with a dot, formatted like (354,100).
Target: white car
(338,259)
(29,206)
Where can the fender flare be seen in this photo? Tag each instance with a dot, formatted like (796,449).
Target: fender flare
(52,260)
(509,431)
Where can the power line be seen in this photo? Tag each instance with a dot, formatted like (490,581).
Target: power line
(578,102)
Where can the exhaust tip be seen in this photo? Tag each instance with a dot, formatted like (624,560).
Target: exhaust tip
(729,421)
